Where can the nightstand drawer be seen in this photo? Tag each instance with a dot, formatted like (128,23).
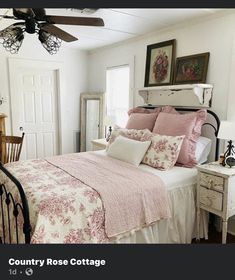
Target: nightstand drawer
(211,182)
(211,198)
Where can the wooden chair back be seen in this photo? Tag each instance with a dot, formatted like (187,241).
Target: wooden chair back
(10,148)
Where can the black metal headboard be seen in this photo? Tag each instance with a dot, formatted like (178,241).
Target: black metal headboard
(215,126)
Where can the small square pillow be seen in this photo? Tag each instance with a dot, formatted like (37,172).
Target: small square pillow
(128,150)
(134,134)
(163,151)
(141,121)
(176,124)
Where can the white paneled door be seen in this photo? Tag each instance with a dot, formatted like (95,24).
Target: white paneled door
(34,111)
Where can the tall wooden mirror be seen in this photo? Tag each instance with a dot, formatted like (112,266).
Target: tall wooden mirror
(91,119)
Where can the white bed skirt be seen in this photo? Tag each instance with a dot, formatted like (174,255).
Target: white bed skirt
(180,228)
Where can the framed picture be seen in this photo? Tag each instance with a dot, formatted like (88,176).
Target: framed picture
(191,69)
(159,64)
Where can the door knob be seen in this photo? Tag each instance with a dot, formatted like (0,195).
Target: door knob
(21,128)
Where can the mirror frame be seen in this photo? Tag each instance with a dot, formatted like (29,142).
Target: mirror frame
(84,97)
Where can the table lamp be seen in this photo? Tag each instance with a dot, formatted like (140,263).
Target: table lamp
(227,132)
(108,122)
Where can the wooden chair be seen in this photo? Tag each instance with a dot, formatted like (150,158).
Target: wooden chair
(10,148)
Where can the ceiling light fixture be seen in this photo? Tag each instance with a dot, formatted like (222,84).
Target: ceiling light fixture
(50,42)
(83,10)
(12,38)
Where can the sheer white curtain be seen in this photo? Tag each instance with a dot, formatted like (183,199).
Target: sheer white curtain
(117,93)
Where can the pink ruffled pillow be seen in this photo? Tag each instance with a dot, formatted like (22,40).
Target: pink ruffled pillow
(169,109)
(143,110)
(176,124)
(141,121)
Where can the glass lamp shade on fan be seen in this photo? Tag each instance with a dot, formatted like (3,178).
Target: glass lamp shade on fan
(50,42)
(12,38)
(227,132)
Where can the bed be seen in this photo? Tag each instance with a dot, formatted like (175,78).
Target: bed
(25,216)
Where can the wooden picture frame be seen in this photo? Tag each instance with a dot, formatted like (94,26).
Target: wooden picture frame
(191,69)
(160,64)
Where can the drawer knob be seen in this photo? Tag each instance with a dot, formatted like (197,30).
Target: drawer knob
(210,183)
(209,200)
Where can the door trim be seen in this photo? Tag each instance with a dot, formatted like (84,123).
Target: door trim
(15,63)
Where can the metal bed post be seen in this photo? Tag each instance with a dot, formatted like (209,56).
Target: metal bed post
(17,207)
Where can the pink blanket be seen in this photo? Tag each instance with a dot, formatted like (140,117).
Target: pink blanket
(131,197)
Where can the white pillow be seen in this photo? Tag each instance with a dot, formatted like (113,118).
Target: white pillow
(203,149)
(128,150)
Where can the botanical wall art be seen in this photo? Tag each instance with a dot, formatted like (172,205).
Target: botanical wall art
(159,64)
(191,69)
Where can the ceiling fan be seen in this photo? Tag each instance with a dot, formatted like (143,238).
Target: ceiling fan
(35,20)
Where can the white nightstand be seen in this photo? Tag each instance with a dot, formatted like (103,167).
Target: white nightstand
(216,193)
(99,144)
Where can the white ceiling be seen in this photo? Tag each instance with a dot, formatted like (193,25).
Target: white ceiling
(120,24)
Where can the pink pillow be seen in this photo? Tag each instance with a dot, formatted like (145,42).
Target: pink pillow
(143,110)
(176,124)
(141,121)
(169,109)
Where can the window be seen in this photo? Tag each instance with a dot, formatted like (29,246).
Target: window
(117,94)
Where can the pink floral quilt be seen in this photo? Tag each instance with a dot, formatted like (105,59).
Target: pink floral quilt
(65,207)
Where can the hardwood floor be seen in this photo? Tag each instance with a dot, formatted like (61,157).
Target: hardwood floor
(215,237)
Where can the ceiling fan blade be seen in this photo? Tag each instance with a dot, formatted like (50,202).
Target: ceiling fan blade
(56,31)
(23,11)
(10,27)
(15,31)
(39,13)
(89,21)
(9,17)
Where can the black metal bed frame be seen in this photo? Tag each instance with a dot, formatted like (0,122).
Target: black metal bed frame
(7,200)
(7,197)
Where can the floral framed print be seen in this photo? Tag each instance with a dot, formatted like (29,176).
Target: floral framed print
(191,69)
(159,64)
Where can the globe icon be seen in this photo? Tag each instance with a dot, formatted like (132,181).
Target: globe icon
(28,271)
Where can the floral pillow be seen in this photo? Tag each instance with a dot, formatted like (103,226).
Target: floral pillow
(163,151)
(135,134)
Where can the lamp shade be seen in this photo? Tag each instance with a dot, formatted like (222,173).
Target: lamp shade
(227,130)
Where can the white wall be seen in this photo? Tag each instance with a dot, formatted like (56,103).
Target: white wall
(214,35)
(74,80)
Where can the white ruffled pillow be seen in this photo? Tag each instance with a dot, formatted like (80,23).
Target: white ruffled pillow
(128,150)
(203,148)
